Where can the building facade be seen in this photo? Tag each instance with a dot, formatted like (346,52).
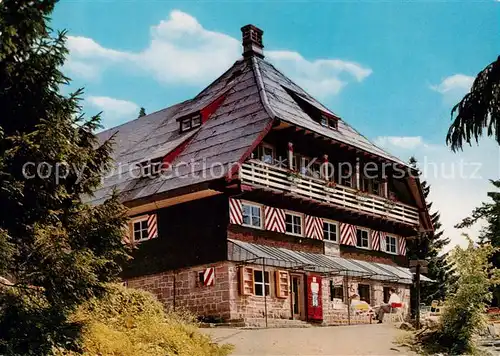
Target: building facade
(254,203)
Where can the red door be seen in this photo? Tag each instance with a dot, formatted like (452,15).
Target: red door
(314,298)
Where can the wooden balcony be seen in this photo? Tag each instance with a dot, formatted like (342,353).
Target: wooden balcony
(259,174)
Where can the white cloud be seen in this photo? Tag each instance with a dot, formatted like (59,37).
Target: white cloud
(454,87)
(113,110)
(321,77)
(182,51)
(459,181)
(405,142)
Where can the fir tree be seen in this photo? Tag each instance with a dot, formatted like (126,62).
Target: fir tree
(142,112)
(55,250)
(429,246)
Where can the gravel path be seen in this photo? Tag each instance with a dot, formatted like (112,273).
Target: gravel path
(338,340)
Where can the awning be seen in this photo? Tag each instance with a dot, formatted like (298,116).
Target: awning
(247,252)
(422,277)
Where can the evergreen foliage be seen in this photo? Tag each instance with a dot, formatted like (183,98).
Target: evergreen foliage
(55,251)
(429,246)
(142,112)
(479,110)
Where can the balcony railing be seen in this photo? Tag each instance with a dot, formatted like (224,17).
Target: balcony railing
(257,173)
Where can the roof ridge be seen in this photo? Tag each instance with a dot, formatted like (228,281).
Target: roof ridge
(262,90)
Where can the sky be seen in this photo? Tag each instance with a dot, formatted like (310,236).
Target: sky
(392,69)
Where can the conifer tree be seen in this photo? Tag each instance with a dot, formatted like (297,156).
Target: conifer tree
(429,247)
(142,112)
(55,250)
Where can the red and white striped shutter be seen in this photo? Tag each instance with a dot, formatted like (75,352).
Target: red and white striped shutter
(347,234)
(375,240)
(274,219)
(152,226)
(209,277)
(402,246)
(314,227)
(383,238)
(235,211)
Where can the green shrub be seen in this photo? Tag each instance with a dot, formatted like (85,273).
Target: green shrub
(129,322)
(465,305)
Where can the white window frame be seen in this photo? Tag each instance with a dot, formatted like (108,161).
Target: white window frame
(368,238)
(263,283)
(260,152)
(336,224)
(395,244)
(139,219)
(301,216)
(253,205)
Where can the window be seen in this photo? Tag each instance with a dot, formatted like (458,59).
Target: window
(386,294)
(293,224)
(252,215)
(189,123)
(185,125)
(261,284)
(345,177)
(140,229)
(328,122)
(265,153)
(364,292)
(196,121)
(376,187)
(362,239)
(330,231)
(151,168)
(336,291)
(390,244)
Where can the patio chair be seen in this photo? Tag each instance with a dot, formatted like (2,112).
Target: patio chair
(397,311)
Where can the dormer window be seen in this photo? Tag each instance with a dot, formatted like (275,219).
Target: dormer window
(329,122)
(151,168)
(190,123)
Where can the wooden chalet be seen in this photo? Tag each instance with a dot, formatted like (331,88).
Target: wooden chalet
(251,203)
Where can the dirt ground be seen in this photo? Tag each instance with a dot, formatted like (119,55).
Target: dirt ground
(338,340)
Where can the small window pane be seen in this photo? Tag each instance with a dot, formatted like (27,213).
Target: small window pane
(258,276)
(259,289)
(196,121)
(185,124)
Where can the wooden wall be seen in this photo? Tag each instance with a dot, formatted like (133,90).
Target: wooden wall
(189,234)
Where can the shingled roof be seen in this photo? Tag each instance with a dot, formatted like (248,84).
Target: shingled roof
(253,95)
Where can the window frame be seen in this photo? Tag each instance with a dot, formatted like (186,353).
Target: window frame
(368,238)
(260,152)
(293,214)
(264,284)
(369,289)
(334,288)
(253,205)
(395,244)
(188,123)
(349,179)
(139,219)
(336,224)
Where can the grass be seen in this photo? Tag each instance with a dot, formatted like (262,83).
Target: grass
(130,322)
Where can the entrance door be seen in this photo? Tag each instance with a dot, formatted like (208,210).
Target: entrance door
(297,297)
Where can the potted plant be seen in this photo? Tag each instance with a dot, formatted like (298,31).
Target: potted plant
(293,176)
(330,186)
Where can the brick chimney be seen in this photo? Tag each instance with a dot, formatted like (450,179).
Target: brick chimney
(252,41)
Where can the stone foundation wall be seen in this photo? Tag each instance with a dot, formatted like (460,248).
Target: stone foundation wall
(335,312)
(181,289)
(253,307)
